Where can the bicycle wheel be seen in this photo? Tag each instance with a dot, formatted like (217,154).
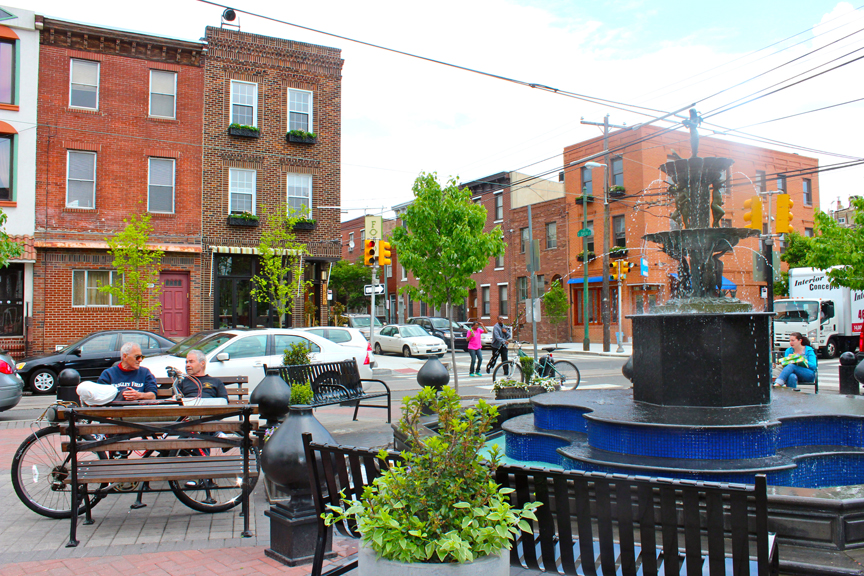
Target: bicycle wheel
(215,494)
(39,469)
(567,373)
(513,370)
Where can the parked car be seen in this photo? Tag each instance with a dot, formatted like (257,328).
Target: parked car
(485,337)
(408,340)
(11,384)
(344,337)
(246,352)
(440,327)
(89,356)
(361,322)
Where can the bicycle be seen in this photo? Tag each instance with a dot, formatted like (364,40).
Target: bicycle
(546,367)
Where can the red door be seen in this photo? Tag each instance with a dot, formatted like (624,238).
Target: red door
(175,304)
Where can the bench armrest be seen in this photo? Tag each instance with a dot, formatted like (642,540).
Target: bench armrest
(362,380)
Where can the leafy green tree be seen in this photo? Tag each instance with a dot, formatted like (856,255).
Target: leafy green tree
(798,248)
(280,279)
(556,305)
(347,280)
(8,248)
(834,244)
(139,266)
(443,245)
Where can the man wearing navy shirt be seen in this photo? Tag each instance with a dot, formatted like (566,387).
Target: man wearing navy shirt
(134,382)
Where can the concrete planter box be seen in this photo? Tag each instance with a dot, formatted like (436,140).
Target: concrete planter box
(369,565)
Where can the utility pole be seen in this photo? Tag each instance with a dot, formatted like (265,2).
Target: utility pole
(605,311)
(533,264)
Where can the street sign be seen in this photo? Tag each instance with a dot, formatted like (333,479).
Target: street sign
(643,267)
(374,227)
(367,289)
(584,232)
(329,295)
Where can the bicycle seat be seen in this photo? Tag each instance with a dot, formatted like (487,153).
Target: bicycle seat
(549,348)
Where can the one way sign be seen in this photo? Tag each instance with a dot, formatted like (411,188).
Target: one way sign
(379,289)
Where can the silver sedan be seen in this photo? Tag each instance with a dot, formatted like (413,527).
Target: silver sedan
(408,340)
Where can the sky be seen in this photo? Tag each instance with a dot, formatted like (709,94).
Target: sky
(402,115)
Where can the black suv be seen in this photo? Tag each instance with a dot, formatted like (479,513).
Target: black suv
(441,327)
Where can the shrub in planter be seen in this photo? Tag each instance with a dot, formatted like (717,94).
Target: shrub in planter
(236,129)
(441,505)
(302,137)
(295,355)
(301,394)
(616,191)
(618,252)
(527,363)
(508,388)
(304,223)
(243,219)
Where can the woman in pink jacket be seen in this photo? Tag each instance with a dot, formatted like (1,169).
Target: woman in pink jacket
(474,346)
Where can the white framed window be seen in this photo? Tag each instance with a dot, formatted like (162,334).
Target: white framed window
(241,190)
(484,300)
(499,261)
(300,110)
(244,103)
(86,284)
(807,186)
(350,242)
(163,94)
(499,206)
(404,273)
(551,235)
(160,185)
(300,194)
(80,179)
(84,84)
(502,300)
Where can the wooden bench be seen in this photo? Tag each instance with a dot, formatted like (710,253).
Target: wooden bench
(335,383)
(238,395)
(122,430)
(590,523)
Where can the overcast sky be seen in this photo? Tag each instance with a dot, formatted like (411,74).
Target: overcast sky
(401,116)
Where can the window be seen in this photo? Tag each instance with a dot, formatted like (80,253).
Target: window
(300,110)
(590,239)
(551,235)
(499,261)
(595,299)
(351,242)
(404,273)
(244,103)
(99,344)
(84,84)
(12,300)
(85,287)
(363,238)
(388,271)
(6,156)
(523,239)
(761,181)
(587,182)
(7,72)
(477,200)
(502,300)
(724,190)
(160,191)
(781,183)
(808,191)
(249,347)
(620,231)
(241,190)
(618,171)
(808,232)
(143,341)
(163,93)
(300,194)
(522,287)
(81,179)
(841,220)
(539,285)
(484,296)
(499,206)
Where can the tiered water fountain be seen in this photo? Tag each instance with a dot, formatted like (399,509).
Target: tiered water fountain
(701,405)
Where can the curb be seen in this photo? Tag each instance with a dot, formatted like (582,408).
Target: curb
(590,353)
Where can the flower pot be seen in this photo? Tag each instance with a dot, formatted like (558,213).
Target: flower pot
(244,132)
(302,139)
(616,193)
(368,564)
(618,253)
(235,221)
(305,225)
(514,392)
(582,199)
(581,258)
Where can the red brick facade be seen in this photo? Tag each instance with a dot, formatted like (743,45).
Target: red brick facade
(125,138)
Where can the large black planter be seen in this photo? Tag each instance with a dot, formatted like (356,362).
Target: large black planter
(301,139)
(272,395)
(305,225)
(244,132)
(434,374)
(234,221)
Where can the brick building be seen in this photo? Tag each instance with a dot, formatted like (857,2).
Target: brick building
(120,122)
(269,86)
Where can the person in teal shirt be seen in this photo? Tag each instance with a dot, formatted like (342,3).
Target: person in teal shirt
(789,376)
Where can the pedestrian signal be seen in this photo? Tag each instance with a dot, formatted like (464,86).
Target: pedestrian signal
(753,216)
(384,253)
(370,252)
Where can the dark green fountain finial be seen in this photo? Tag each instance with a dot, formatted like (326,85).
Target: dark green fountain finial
(694,121)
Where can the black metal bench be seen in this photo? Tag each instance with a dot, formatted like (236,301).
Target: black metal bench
(335,383)
(583,525)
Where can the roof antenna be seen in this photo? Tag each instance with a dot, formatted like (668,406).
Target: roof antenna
(228,16)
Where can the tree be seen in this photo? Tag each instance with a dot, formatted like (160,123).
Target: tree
(347,280)
(443,244)
(8,248)
(139,265)
(280,279)
(556,305)
(834,244)
(797,251)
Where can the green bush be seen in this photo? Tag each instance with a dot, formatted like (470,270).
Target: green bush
(302,134)
(442,503)
(301,393)
(296,354)
(527,363)
(245,216)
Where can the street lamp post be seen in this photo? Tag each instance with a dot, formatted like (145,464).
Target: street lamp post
(586,342)
(605,271)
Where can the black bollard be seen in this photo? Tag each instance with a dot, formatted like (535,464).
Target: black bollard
(848,383)
(67,384)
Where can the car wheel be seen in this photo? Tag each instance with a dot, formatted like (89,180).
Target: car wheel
(406,351)
(43,381)
(378,350)
(831,348)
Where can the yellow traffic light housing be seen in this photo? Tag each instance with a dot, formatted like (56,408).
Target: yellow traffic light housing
(384,253)
(753,218)
(370,252)
(615,270)
(784,213)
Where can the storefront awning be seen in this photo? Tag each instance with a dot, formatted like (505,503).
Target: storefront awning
(726,284)
(239,250)
(590,280)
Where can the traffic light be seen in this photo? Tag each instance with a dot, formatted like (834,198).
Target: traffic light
(625,267)
(615,270)
(370,252)
(784,214)
(384,253)
(753,218)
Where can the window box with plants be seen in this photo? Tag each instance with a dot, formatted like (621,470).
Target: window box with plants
(243,219)
(440,510)
(243,130)
(510,389)
(584,197)
(302,137)
(616,191)
(618,252)
(581,256)
(305,223)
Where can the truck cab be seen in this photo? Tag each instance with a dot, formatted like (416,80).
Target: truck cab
(812,317)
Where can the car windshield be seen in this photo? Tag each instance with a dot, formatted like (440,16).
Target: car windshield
(442,324)
(796,311)
(412,331)
(204,342)
(363,321)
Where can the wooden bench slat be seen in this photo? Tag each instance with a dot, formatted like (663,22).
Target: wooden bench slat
(220,426)
(172,443)
(145,411)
